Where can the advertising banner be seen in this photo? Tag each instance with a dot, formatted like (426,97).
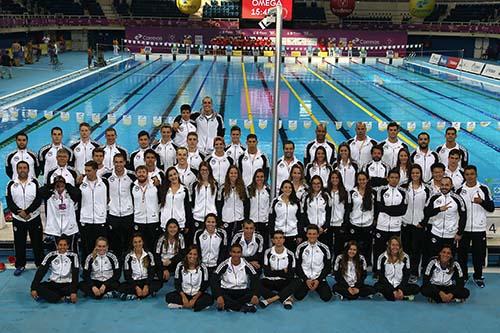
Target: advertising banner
(443,60)
(470,66)
(492,71)
(434,59)
(452,62)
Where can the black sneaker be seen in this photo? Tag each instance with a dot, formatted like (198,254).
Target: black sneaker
(479,282)
(264,303)
(288,304)
(248,308)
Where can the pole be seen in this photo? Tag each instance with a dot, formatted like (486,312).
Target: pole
(276,115)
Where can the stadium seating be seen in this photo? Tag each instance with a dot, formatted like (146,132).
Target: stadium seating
(10,7)
(66,7)
(479,12)
(303,12)
(155,8)
(436,14)
(122,7)
(93,7)
(226,9)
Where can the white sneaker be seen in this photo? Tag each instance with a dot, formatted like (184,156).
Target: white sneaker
(174,306)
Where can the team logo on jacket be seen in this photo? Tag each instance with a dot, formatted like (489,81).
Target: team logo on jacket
(84,185)
(434,240)
(49,153)
(136,188)
(226,225)
(351,231)
(439,202)
(377,235)
(204,237)
(386,195)
(136,227)
(16,185)
(213,162)
(229,270)
(355,195)
(57,262)
(228,152)
(16,158)
(464,191)
(111,179)
(279,204)
(306,252)
(282,165)
(77,149)
(273,257)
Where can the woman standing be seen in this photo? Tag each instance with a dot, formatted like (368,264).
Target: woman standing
(211,242)
(285,216)
(233,202)
(63,281)
(259,195)
(204,195)
(394,268)
(319,166)
(412,232)
(359,210)
(191,282)
(139,270)
(101,272)
(316,210)
(347,167)
(175,204)
(444,279)
(350,274)
(298,180)
(338,196)
(169,249)
(403,165)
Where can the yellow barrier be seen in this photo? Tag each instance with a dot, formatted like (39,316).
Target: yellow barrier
(237,53)
(323,54)
(268,53)
(296,53)
(44,48)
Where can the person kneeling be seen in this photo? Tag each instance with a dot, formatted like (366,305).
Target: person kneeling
(279,272)
(313,265)
(191,283)
(63,279)
(101,272)
(394,268)
(444,279)
(139,269)
(350,273)
(235,283)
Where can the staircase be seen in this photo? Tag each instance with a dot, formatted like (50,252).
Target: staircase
(108,9)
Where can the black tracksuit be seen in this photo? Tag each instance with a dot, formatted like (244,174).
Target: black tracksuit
(449,280)
(279,274)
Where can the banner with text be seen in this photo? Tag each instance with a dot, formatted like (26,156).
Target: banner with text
(257,9)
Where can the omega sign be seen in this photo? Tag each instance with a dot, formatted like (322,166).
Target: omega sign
(257,9)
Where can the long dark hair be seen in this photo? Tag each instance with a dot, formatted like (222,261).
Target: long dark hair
(413,167)
(398,163)
(252,188)
(341,186)
(240,185)
(344,262)
(310,191)
(346,145)
(293,196)
(211,179)
(177,242)
(164,187)
(368,195)
(451,263)
(185,261)
(316,155)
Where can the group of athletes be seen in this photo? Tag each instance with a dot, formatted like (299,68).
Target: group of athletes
(191,208)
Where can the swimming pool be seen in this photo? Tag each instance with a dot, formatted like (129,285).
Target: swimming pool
(138,91)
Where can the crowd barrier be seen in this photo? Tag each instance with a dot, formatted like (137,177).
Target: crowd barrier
(469,66)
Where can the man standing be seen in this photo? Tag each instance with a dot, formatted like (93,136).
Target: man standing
(137,156)
(111,148)
(47,154)
(93,207)
(24,201)
(320,141)
(83,148)
(235,149)
(361,145)
(252,160)
(62,169)
(286,163)
(209,124)
(479,203)
(453,170)
(166,148)
(450,144)
(22,154)
(424,157)
(392,145)
(121,207)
